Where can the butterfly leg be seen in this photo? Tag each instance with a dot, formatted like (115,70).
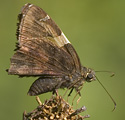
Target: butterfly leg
(70,93)
(55,91)
(78,92)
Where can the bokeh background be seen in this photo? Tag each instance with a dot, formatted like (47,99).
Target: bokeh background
(96,29)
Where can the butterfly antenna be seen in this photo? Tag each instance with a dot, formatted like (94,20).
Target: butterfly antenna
(108,94)
(112,73)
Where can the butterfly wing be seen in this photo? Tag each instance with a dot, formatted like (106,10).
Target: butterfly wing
(42,47)
(40,57)
(35,23)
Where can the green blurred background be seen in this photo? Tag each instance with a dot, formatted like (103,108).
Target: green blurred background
(96,28)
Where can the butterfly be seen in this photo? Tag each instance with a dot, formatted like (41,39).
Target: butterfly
(44,51)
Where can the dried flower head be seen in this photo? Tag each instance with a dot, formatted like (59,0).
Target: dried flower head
(54,109)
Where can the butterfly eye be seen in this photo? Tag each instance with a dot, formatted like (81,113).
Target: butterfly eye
(89,77)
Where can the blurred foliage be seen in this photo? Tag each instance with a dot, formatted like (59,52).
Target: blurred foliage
(97,31)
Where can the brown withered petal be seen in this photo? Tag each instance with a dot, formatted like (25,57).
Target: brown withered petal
(55,109)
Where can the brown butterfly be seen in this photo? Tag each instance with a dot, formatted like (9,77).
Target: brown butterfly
(44,51)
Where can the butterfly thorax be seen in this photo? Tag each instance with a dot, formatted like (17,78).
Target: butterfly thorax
(77,79)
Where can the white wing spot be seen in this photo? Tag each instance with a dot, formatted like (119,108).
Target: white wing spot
(30,5)
(61,40)
(66,40)
(45,18)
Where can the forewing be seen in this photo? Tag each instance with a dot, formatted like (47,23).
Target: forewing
(35,23)
(42,47)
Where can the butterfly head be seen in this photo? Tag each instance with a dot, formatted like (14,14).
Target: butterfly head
(88,74)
